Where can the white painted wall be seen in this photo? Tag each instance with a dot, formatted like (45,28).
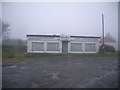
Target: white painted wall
(29,46)
(83,47)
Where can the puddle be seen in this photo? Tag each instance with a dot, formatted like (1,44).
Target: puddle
(108,69)
(54,76)
(77,63)
(11,66)
(34,85)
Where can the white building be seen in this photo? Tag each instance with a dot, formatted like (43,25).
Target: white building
(62,44)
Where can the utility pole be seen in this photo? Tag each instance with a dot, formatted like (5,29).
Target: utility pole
(103,32)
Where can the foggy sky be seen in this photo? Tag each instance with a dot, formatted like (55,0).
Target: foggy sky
(83,18)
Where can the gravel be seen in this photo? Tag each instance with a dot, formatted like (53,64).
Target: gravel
(62,72)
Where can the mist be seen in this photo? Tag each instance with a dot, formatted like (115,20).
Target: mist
(83,18)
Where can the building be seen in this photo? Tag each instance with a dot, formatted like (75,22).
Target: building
(109,40)
(62,44)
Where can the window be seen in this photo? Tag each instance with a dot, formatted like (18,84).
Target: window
(37,46)
(89,47)
(52,46)
(76,46)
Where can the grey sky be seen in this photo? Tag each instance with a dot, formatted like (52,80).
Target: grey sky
(83,18)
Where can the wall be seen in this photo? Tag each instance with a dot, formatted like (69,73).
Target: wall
(29,46)
(83,47)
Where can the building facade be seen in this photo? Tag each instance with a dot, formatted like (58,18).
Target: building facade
(62,44)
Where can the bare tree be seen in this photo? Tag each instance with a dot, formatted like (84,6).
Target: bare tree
(4,33)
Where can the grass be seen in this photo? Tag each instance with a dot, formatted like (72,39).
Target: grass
(76,55)
(96,55)
(20,56)
(23,56)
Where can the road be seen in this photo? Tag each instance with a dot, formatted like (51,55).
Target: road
(62,72)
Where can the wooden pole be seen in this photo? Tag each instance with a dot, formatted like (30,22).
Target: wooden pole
(103,32)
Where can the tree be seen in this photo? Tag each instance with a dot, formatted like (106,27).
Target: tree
(107,48)
(5,31)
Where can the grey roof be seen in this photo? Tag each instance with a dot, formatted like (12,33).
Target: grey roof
(43,35)
(59,36)
(85,36)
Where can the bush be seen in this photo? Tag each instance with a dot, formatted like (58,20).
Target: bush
(7,51)
(10,51)
(107,48)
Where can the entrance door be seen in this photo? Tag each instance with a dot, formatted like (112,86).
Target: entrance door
(64,47)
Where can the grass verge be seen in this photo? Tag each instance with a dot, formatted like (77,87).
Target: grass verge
(23,56)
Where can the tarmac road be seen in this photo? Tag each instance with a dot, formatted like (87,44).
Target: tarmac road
(62,72)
